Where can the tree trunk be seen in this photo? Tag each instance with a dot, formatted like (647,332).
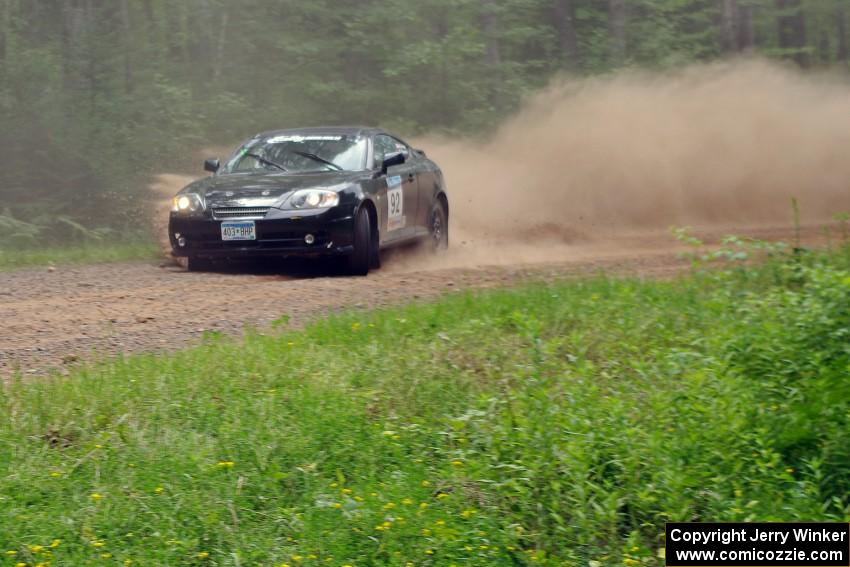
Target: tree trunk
(490,26)
(222,41)
(843,48)
(746,30)
(617,30)
(729,24)
(791,26)
(128,63)
(565,20)
(4,31)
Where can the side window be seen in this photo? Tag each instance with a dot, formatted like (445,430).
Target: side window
(384,145)
(401,147)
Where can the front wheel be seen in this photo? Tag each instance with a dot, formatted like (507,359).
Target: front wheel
(362,258)
(438,226)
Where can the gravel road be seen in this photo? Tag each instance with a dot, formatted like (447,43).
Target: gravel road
(54,318)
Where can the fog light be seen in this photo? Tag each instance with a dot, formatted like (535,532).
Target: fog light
(309,239)
(181,242)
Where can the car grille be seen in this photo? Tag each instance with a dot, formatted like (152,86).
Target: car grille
(240,212)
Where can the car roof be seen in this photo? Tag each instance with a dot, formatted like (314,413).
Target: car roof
(326,130)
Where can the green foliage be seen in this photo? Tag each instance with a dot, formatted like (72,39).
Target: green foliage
(554,424)
(79,253)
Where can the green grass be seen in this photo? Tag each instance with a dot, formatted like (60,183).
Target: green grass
(550,425)
(11,259)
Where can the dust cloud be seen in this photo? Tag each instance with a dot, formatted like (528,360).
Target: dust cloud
(588,163)
(591,162)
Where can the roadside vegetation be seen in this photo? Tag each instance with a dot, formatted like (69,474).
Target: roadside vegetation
(94,252)
(556,424)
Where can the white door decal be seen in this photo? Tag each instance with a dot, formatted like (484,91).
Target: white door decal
(395,204)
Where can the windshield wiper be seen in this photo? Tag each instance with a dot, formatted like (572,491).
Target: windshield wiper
(266,161)
(319,159)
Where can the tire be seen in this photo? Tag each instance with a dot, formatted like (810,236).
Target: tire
(195,264)
(361,259)
(438,227)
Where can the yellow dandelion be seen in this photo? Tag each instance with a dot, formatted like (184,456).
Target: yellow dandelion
(346,491)
(355,326)
(55,543)
(389,433)
(466,514)
(429,552)
(128,562)
(106,555)
(426,532)
(159,490)
(426,483)
(225,464)
(334,485)
(389,505)
(297,558)
(440,523)
(97,544)
(359,498)
(203,554)
(11,553)
(96,496)
(20,564)
(55,474)
(312,556)
(337,505)
(36,548)
(407,501)
(423,505)
(457,463)
(442,495)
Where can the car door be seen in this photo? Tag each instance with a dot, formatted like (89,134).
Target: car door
(400,212)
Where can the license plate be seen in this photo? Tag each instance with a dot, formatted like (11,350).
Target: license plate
(242,230)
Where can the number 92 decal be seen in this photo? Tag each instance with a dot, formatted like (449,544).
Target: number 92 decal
(395,204)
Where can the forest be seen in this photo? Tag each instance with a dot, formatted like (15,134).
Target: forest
(98,95)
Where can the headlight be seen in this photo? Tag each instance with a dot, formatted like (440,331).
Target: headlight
(313,199)
(187,203)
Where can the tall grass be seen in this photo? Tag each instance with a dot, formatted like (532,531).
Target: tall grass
(556,424)
(90,253)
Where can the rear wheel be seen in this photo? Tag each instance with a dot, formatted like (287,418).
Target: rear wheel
(195,264)
(361,259)
(438,226)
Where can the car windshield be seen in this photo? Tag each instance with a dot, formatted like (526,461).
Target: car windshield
(299,153)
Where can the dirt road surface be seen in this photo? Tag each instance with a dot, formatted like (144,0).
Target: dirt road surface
(55,318)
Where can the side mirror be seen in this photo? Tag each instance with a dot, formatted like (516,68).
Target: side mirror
(211,165)
(392,160)
(421,153)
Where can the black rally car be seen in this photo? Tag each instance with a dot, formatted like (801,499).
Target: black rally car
(348,192)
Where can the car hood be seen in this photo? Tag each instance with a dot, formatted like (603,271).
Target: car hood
(266,190)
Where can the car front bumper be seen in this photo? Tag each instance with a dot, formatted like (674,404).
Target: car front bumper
(279,233)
